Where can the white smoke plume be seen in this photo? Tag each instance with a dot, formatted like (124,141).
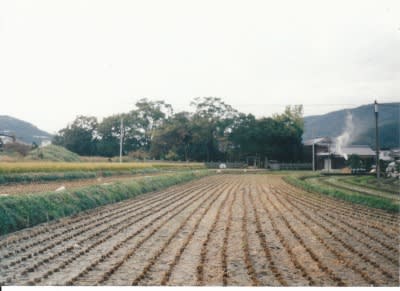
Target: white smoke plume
(344,139)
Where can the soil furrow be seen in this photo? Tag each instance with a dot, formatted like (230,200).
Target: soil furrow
(381,227)
(125,250)
(230,229)
(211,233)
(340,253)
(224,253)
(44,247)
(53,229)
(363,235)
(285,243)
(265,246)
(245,240)
(101,236)
(177,258)
(343,207)
(330,273)
(213,197)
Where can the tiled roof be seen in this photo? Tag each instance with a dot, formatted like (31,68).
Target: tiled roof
(361,150)
(318,140)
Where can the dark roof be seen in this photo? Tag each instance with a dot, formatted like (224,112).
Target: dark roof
(360,150)
(318,140)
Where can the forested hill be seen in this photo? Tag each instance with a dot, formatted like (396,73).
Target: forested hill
(22,130)
(333,124)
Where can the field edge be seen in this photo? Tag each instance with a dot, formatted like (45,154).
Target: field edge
(23,211)
(373,202)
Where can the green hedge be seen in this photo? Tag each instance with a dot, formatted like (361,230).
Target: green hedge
(22,211)
(370,201)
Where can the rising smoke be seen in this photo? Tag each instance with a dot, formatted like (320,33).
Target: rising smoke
(346,136)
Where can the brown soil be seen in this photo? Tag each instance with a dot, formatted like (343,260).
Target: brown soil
(241,230)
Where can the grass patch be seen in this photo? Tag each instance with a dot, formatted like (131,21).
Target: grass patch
(53,153)
(391,185)
(22,211)
(370,201)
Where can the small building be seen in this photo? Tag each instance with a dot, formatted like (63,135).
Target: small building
(6,138)
(384,155)
(395,154)
(327,155)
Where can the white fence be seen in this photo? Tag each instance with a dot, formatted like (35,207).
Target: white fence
(290,166)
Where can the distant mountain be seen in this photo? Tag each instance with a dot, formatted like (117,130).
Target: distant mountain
(22,130)
(333,124)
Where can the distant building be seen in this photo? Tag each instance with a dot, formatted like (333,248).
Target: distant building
(384,155)
(45,143)
(6,138)
(395,154)
(325,154)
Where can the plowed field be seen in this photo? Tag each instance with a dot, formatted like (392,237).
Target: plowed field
(237,230)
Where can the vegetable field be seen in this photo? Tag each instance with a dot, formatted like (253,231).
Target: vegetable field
(241,230)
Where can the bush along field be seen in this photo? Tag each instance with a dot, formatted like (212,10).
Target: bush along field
(22,211)
(312,183)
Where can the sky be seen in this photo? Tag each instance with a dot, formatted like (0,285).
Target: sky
(60,59)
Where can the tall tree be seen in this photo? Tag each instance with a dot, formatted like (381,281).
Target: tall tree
(277,138)
(211,121)
(80,136)
(151,115)
(173,138)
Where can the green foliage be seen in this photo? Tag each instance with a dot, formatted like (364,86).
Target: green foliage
(211,124)
(79,137)
(53,153)
(354,162)
(215,131)
(21,211)
(370,201)
(391,185)
(277,138)
(173,139)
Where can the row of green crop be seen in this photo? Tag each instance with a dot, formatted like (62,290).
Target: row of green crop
(67,176)
(370,201)
(22,211)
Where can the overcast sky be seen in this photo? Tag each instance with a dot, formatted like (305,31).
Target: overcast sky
(59,59)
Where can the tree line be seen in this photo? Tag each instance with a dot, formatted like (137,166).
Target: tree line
(214,131)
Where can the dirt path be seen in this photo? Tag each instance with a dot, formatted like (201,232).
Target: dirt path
(241,230)
(38,187)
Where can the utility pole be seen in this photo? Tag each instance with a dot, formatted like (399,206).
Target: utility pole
(313,156)
(377,140)
(120,140)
